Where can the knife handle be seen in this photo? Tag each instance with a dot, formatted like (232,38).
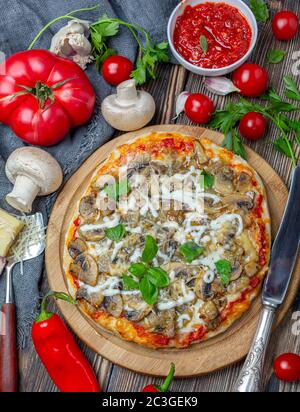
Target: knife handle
(8,349)
(250,377)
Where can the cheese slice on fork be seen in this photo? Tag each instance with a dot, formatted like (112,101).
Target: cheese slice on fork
(10,227)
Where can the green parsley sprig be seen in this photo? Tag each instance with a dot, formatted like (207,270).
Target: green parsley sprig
(148,279)
(102,30)
(149,54)
(274,109)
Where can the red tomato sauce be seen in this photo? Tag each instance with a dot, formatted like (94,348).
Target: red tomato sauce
(227,32)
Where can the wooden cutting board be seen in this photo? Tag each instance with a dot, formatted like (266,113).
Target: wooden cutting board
(201,358)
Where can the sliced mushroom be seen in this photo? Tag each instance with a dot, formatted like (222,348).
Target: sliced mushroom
(93,235)
(237,285)
(85,269)
(221,303)
(213,324)
(94,298)
(87,207)
(131,218)
(251,268)
(200,154)
(223,182)
(76,247)
(113,305)
(243,182)
(135,307)
(236,272)
(217,288)
(104,263)
(161,322)
(209,310)
(241,201)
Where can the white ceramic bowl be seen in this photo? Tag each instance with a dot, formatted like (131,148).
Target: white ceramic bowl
(239,4)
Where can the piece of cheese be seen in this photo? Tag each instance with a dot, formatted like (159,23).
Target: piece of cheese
(10,227)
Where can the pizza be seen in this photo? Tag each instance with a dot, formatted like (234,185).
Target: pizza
(170,242)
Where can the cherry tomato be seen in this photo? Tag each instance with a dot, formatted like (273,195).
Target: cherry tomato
(251,79)
(199,108)
(253,126)
(117,69)
(287,367)
(285,25)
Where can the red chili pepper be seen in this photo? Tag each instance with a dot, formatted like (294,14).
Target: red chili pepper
(60,354)
(165,386)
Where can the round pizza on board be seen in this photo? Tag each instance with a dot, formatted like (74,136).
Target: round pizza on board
(170,242)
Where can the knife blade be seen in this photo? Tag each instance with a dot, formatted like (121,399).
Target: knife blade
(285,248)
(283,258)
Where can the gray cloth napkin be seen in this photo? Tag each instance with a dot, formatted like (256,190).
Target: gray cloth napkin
(19,23)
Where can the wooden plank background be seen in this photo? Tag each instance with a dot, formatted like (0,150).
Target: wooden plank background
(171,80)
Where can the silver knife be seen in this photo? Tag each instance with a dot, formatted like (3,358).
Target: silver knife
(283,258)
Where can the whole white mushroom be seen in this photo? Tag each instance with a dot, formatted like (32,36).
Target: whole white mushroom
(34,172)
(129,109)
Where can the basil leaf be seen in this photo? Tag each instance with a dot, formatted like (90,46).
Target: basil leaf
(150,249)
(158,277)
(203,43)
(208,180)
(137,269)
(148,290)
(118,189)
(260,10)
(224,269)
(129,282)
(190,250)
(275,56)
(116,233)
(291,89)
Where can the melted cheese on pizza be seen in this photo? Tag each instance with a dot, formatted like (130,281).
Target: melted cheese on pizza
(179,191)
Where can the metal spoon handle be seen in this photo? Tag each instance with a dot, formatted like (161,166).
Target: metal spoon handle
(250,376)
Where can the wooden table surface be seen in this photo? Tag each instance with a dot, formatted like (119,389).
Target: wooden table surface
(171,80)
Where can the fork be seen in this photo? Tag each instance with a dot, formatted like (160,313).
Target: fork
(30,244)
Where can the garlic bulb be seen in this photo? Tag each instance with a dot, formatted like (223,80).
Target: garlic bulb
(71,41)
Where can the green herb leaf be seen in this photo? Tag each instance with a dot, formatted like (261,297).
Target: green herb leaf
(203,43)
(116,190)
(190,250)
(232,142)
(208,179)
(129,282)
(158,277)
(138,269)
(283,146)
(116,233)
(150,249)
(275,56)
(148,290)
(224,269)
(101,58)
(260,10)
(271,95)
(291,89)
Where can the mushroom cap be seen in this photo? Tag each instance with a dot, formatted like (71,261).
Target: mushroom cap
(37,165)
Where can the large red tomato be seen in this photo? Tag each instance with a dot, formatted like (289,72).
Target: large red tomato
(42,96)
